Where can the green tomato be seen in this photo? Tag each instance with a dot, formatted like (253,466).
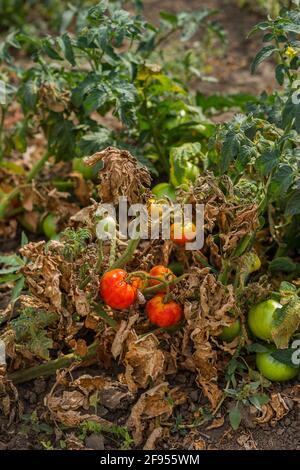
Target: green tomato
(255,263)
(79,166)
(272,369)
(177,268)
(261,318)
(229,333)
(50,226)
(163,190)
(189,174)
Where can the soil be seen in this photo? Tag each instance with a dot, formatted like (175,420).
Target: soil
(233,69)
(232,72)
(35,430)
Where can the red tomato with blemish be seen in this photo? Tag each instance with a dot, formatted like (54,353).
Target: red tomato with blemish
(115,291)
(163,314)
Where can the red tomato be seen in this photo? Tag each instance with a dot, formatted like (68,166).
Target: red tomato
(163,314)
(115,291)
(182,234)
(163,273)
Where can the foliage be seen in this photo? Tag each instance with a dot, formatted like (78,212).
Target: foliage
(100,69)
(263,143)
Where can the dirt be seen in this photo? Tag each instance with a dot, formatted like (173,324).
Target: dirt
(232,70)
(35,430)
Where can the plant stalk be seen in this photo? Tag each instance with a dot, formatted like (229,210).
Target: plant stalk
(49,368)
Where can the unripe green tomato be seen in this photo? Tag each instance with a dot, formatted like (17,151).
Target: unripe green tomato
(79,166)
(229,333)
(272,369)
(49,225)
(163,190)
(261,319)
(176,267)
(255,264)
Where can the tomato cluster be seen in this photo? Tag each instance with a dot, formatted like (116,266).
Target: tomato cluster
(262,323)
(119,290)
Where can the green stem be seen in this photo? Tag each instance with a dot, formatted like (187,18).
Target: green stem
(37,167)
(112,253)
(49,368)
(100,257)
(123,260)
(150,291)
(8,198)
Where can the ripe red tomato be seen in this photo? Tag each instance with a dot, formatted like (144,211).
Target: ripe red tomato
(182,234)
(163,314)
(115,291)
(163,273)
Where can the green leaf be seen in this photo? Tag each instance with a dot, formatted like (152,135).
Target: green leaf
(169,18)
(262,55)
(291,27)
(11,269)
(284,356)
(24,239)
(29,94)
(9,278)
(11,260)
(95,141)
(281,181)
(97,12)
(280,73)
(67,48)
(16,292)
(257,348)
(293,204)
(287,289)
(259,400)
(47,47)
(284,264)
(235,417)
(267,161)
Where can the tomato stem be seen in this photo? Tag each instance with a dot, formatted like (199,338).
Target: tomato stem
(49,368)
(150,291)
(129,252)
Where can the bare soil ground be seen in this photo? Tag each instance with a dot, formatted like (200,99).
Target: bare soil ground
(232,70)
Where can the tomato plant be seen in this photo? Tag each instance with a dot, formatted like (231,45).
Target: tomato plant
(274,370)
(163,314)
(115,291)
(261,319)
